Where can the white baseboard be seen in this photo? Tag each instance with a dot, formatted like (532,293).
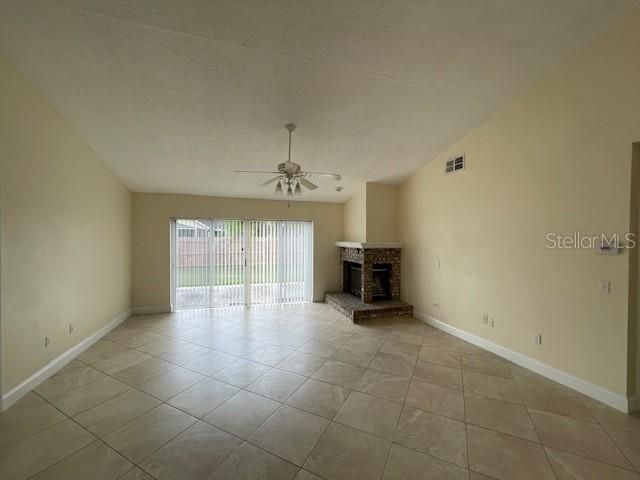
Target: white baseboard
(16,393)
(619,402)
(148,310)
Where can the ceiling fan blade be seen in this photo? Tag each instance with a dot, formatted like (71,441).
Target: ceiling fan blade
(254,171)
(307,184)
(269,182)
(335,176)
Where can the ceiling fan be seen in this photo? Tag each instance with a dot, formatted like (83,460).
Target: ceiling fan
(290,177)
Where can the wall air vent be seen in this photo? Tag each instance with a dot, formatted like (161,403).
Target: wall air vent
(454,164)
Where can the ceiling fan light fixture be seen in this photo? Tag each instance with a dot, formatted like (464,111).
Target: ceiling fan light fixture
(290,175)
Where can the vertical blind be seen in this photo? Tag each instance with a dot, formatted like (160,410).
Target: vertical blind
(281,262)
(241,262)
(209,263)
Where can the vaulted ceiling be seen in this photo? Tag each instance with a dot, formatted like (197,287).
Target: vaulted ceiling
(175,95)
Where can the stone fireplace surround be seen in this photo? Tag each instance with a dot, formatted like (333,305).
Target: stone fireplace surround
(367,306)
(367,258)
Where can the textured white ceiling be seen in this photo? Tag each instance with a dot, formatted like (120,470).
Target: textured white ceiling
(175,95)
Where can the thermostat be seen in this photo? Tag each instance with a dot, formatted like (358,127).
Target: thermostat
(605,248)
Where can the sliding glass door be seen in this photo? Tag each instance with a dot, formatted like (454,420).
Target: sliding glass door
(281,262)
(221,263)
(209,263)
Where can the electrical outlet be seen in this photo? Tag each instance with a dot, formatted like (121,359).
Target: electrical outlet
(537,338)
(604,287)
(438,263)
(485,319)
(71,328)
(492,322)
(436,306)
(47,341)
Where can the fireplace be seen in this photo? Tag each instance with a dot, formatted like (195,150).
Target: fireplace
(370,282)
(371,274)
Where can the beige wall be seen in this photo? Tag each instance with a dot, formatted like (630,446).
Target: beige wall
(66,234)
(555,159)
(152,212)
(370,214)
(381,212)
(355,217)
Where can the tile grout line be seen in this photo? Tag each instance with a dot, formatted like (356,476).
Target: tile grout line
(404,403)
(443,416)
(96,438)
(138,465)
(101,439)
(546,455)
(573,453)
(540,441)
(606,431)
(162,402)
(466,430)
(351,390)
(438,415)
(377,351)
(211,377)
(333,421)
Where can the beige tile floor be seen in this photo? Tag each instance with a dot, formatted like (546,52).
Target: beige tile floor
(298,392)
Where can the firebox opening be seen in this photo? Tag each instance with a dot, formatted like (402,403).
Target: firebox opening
(352,278)
(381,277)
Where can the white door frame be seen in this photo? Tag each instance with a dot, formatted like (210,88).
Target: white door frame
(246,251)
(172,260)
